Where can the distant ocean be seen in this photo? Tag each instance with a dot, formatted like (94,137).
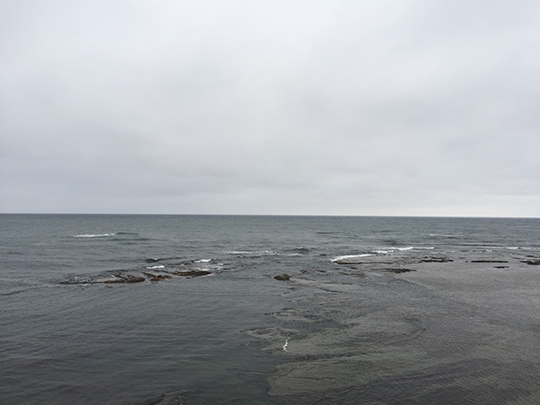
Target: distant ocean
(136,309)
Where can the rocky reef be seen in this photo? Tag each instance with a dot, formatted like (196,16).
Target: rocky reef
(156,274)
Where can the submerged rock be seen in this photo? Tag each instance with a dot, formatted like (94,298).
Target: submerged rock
(125,277)
(433,259)
(167,398)
(283,277)
(397,270)
(532,262)
(192,273)
(358,274)
(489,261)
(104,279)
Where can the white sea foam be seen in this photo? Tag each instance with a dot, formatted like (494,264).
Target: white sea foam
(348,257)
(285,345)
(253,253)
(156,267)
(203,261)
(402,249)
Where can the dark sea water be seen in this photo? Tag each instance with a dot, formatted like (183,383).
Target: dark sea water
(121,309)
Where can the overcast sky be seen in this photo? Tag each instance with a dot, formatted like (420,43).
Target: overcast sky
(380,107)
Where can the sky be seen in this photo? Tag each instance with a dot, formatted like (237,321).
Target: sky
(341,107)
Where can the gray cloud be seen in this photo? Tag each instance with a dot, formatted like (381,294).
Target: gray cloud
(282,107)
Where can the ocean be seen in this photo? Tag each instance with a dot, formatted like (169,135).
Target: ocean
(151,309)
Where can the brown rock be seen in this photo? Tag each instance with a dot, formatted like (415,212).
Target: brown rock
(134,279)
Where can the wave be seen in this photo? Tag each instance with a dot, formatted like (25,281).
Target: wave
(349,257)
(300,249)
(386,251)
(99,235)
(253,253)
(105,235)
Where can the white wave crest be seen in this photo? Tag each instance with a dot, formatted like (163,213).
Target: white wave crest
(349,257)
(387,251)
(253,253)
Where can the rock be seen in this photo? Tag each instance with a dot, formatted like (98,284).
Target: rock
(283,277)
(397,270)
(532,262)
(156,277)
(114,280)
(134,279)
(359,274)
(122,278)
(192,273)
(489,261)
(436,260)
(167,398)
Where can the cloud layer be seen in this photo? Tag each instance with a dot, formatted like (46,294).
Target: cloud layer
(283,107)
